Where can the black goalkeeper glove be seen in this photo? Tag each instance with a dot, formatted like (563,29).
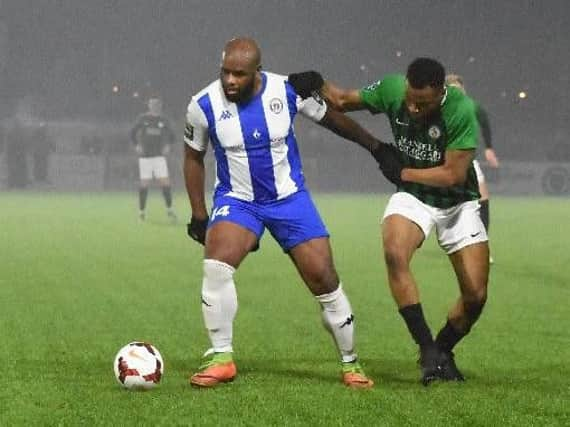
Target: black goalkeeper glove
(306,82)
(196,229)
(388,159)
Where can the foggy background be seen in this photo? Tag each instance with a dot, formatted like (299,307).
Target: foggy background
(86,67)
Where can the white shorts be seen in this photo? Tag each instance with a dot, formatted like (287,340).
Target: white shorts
(479,172)
(153,167)
(456,227)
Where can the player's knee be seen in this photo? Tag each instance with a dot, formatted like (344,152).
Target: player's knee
(217,273)
(322,275)
(476,296)
(395,258)
(325,276)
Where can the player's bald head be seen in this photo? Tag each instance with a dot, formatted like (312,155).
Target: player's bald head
(244,50)
(241,69)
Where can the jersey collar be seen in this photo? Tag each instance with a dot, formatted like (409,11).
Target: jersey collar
(444,97)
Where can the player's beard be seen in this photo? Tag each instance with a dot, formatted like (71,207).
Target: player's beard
(243,94)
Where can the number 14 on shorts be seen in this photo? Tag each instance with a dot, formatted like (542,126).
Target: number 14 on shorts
(220,211)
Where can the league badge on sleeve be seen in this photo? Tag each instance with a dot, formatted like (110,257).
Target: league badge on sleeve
(189,132)
(317,97)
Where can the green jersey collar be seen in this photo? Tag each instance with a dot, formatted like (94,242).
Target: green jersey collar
(444,97)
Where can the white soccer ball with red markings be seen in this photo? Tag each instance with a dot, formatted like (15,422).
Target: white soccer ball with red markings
(138,366)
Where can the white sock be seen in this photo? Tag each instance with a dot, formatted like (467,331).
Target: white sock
(219,303)
(339,321)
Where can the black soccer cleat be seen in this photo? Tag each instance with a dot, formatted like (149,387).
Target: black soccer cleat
(429,364)
(448,368)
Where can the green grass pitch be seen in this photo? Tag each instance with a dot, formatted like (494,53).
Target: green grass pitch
(80,278)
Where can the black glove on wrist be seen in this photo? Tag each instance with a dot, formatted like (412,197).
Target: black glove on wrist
(306,82)
(378,152)
(196,229)
(388,159)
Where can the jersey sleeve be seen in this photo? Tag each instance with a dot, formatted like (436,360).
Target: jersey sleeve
(483,120)
(313,107)
(463,128)
(134,134)
(384,95)
(196,129)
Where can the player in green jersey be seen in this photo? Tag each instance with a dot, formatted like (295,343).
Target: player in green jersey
(435,136)
(490,155)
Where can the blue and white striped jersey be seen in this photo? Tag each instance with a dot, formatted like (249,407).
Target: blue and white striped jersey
(256,152)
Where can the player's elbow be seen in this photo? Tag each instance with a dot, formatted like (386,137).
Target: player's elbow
(456,178)
(336,98)
(343,105)
(338,102)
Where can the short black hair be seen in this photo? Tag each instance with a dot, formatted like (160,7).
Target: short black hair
(423,72)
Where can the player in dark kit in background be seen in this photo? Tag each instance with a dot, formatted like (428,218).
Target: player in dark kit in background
(152,137)
(435,131)
(18,138)
(27,134)
(41,148)
(490,155)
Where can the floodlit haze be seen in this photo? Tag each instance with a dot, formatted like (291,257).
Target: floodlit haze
(93,60)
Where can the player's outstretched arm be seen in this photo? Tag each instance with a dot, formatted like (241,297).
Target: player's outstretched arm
(307,82)
(347,128)
(342,99)
(386,155)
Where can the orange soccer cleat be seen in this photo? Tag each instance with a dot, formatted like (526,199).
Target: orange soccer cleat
(219,369)
(353,376)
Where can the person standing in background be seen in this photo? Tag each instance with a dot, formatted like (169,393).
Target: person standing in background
(41,147)
(152,137)
(490,155)
(20,134)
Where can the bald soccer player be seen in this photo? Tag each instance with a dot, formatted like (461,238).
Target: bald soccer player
(247,116)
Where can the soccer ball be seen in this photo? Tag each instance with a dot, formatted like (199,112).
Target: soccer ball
(138,366)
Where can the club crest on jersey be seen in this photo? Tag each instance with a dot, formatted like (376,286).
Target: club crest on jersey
(434,132)
(276,105)
(225,115)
